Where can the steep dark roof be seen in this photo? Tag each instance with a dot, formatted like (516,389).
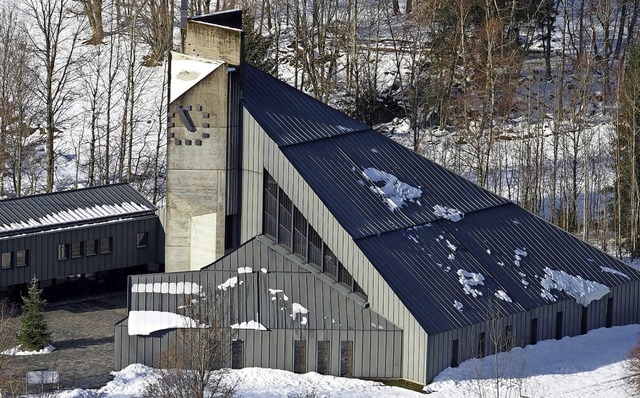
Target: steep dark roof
(417,249)
(67,208)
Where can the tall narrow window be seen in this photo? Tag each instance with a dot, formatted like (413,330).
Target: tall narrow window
(559,325)
(584,320)
(141,239)
(90,247)
(237,354)
(508,338)
(300,356)
(63,251)
(330,263)
(609,320)
(358,290)
(299,233)
(76,249)
(105,245)
(534,331)
(285,221)
(270,204)
(315,248)
(481,344)
(6,260)
(454,353)
(344,276)
(324,351)
(22,258)
(346,358)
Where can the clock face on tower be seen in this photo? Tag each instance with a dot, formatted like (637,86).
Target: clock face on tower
(195,119)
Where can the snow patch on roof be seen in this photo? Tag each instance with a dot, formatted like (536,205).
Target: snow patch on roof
(394,192)
(252,325)
(502,295)
(245,270)
(166,287)
(229,283)
(470,279)
(74,215)
(458,305)
(582,290)
(614,271)
(449,213)
(146,322)
(274,293)
(299,309)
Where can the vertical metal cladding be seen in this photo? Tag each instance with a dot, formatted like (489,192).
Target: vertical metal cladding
(291,302)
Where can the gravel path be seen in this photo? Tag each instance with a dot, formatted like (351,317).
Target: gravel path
(83,338)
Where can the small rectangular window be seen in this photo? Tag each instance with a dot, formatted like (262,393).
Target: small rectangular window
(481,344)
(609,314)
(534,331)
(508,338)
(105,245)
(76,249)
(300,356)
(237,354)
(90,248)
(22,258)
(63,251)
(584,324)
(344,276)
(324,350)
(559,329)
(346,358)
(6,260)
(141,239)
(315,248)
(454,353)
(330,264)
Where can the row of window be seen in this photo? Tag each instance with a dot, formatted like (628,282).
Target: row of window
(289,228)
(509,336)
(323,357)
(18,258)
(95,246)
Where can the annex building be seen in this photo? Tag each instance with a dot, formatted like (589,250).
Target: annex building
(341,251)
(94,233)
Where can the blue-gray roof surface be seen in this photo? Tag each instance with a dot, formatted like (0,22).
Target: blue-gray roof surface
(417,250)
(54,210)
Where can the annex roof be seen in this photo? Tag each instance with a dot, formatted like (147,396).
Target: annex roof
(67,208)
(448,248)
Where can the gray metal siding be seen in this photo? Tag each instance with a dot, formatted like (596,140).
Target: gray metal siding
(333,313)
(42,247)
(262,153)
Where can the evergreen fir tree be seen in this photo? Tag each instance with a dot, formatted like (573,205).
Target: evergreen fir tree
(34,333)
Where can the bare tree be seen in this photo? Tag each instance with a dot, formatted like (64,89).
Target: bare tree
(54,46)
(194,364)
(93,11)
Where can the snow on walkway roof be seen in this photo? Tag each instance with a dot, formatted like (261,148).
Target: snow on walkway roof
(423,243)
(80,206)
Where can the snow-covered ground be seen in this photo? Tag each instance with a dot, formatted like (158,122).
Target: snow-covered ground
(592,365)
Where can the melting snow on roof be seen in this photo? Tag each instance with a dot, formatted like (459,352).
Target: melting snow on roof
(74,215)
(146,322)
(470,279)
(166,287)
(458,305)
(394,192)
(299,309)
(502,295)
(450,214)
(614,271)
(231,282)
(252,325)
(582,290)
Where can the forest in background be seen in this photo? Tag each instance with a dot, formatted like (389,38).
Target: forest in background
(536,101)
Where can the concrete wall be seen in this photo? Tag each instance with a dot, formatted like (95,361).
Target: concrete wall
(197,164)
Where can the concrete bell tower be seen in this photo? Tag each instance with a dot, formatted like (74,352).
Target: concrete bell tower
(203,142)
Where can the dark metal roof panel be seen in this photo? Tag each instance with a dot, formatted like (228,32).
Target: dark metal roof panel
(334,167)
(80,206)
(421,265)
(288,115)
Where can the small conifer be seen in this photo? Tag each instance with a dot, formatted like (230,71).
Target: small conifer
(34,334)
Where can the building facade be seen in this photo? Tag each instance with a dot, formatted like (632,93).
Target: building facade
(343,252)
